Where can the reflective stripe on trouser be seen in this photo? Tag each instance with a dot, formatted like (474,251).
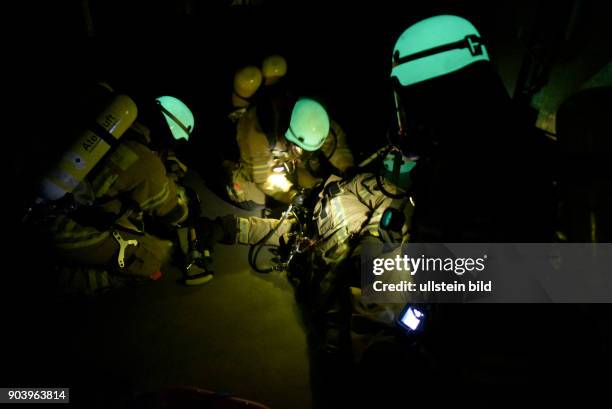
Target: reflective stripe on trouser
(251,230)
(142,260)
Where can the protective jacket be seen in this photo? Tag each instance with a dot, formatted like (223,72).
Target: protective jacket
(129,182)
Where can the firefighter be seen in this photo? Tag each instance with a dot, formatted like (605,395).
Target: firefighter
(458,116)
(476,181)
(347,214)
(102,233)
(284,145)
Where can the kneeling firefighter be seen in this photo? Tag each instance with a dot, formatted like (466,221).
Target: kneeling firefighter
(285,144)
(93,204)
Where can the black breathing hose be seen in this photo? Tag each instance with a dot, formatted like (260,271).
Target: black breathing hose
(256,248)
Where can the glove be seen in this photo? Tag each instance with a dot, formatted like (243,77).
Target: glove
(220,230)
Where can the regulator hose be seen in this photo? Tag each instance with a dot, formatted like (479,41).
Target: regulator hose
(255,249)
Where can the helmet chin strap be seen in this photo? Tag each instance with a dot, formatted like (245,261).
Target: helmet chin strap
(175,119)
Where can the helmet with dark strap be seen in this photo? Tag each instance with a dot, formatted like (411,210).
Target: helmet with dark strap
(178,116)
(435,47)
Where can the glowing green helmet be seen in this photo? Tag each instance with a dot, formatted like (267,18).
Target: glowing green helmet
(434,47)
(309,125)
(178,116)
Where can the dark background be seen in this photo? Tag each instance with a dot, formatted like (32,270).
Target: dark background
(339,51)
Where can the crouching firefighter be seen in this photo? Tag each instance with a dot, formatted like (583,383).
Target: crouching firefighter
(92,205)
(285,144)
(319,239)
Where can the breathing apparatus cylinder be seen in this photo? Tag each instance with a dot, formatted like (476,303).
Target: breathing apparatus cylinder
(89,149)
